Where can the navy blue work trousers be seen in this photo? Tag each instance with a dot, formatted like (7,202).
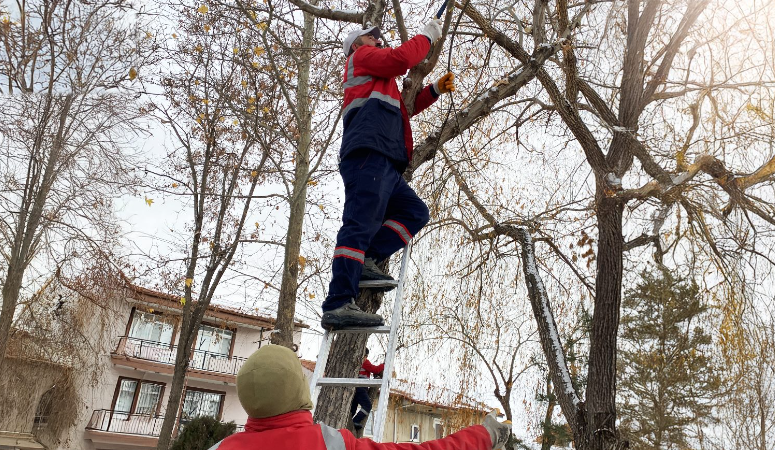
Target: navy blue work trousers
(381,214)
(361,397)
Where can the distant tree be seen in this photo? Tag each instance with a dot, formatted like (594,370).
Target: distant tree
(202,433)
(67,79)
(667,378)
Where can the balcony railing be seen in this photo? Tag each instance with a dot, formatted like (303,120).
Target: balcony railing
(124,423)
(165,354)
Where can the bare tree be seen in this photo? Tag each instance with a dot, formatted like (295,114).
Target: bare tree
(66,70)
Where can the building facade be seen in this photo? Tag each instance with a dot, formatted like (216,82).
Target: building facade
(125,405)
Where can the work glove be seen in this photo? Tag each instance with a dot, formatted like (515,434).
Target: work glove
(432,30)
(445,84)
(499,432)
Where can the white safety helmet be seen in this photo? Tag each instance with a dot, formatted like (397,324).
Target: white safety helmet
(355,34)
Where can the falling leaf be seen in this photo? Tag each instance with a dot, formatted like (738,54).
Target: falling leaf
(182,300)
(132,73)
(202,9)
(148,201)
(174,36)
(174,185)
(189,282)
(311,296)
(150,310)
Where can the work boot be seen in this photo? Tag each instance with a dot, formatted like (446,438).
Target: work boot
(350,316)
(373,273)
(372,277)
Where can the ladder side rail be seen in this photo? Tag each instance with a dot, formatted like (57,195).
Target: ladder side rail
(320,367)
(395,321)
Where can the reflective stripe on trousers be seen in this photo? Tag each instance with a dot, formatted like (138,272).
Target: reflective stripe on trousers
(332,437)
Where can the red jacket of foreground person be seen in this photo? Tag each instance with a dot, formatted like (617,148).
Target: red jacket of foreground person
(273,391)
(295,430)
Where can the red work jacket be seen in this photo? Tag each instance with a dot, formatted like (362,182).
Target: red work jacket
(295,430)
(373,113)
(368,369)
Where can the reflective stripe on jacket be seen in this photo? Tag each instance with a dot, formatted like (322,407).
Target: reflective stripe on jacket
(295,430)
(373,113)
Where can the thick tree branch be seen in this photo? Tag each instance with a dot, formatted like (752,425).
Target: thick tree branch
(328,13)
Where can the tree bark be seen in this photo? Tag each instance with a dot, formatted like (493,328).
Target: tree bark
(286,306)
(601,388)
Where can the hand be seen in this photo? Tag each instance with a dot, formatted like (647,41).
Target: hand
(446,83)
(432,30)
(499,432)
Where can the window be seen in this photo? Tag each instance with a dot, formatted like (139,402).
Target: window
(214,340)
(438,427)
(43,410)
(414,434)
(201,403)
(151,327)
(133,400)
(212,349)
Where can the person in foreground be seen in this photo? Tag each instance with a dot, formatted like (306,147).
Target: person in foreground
(381,212)
(272,390)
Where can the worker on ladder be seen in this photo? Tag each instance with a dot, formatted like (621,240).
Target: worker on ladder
(361,397)
(272,390)
(381,212)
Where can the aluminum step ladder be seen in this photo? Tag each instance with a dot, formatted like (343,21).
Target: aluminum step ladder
(319,380)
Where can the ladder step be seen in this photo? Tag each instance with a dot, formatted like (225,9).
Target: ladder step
(350,382)
(365,330)
(371,284)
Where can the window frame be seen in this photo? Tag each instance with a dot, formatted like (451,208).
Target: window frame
(208,391)
(220,327)
(438,424)
(174,323)
(411,433)
(136,395)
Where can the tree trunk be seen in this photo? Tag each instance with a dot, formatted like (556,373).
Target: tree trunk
(286,306)
(11,289)
(601,389)
(182,360)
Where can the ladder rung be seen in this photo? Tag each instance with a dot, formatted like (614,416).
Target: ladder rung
(370,284)
(366,330)
(350,382)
